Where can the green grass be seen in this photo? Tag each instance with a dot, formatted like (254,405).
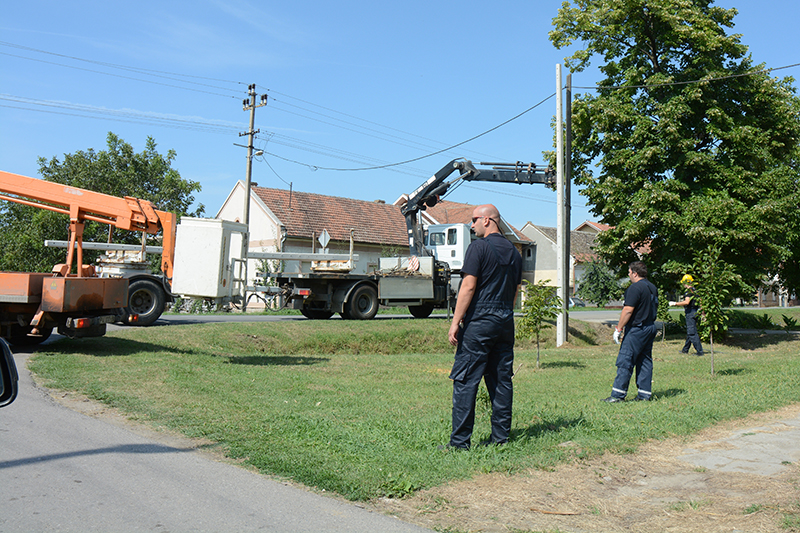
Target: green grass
(359,408)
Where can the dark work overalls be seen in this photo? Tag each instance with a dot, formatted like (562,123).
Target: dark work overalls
(692,336)
(636,350)
(486,350)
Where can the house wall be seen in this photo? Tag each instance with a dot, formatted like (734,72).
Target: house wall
(544,256)
(545,259)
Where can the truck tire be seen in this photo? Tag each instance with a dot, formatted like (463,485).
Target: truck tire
(421,311)
(20,336)
(363,303)
(146,298)
(316,314)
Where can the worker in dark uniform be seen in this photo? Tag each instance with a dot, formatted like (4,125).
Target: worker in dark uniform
(637,320)
(690,308)
(483,329)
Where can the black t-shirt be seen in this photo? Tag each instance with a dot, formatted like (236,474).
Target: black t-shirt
(643,297)
(692,305)
(497,265)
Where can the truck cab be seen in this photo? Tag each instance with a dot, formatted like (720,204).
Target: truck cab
(448,243)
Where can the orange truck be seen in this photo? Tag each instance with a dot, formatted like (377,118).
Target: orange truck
(73,298)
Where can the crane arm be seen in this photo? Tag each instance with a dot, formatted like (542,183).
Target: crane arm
(428,194)
(128,213)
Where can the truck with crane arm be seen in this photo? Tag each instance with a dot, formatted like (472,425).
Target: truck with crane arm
(422,280)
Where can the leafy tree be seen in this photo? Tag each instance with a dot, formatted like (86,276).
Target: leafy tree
(715,282)
(541,303)
(684,165)
(117,171)
(599,285)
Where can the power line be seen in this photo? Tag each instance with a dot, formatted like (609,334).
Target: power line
(119,76)
(445,149)
(356,118)
(148,72)
(121,115)
(173,76)
(688,82)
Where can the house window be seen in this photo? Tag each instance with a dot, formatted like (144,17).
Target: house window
(529,258)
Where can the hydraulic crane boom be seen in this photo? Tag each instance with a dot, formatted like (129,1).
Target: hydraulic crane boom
(80,205)
(428,194)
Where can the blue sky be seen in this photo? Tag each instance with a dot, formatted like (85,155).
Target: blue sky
(351,84)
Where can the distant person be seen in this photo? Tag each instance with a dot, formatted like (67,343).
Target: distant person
(690,308)
(483,329)
(637,320)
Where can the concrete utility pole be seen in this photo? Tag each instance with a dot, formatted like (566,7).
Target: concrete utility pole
(563,207)
(249,104)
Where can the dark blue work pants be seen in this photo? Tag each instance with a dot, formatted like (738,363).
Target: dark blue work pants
(485,350)
(635,352)
(692,337)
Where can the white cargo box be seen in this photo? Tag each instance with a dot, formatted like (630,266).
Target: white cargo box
(205,254)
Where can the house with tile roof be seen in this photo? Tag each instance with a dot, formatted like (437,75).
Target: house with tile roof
(292,221)
(545,252)
(592,227)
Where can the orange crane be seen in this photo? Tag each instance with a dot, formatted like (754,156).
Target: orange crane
(72,297)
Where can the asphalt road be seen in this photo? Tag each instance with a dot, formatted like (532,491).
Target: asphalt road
(64,471)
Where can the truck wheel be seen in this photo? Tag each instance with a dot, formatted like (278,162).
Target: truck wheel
(363,303)
(20,336)
(146,299)
(316,314)
(421,311)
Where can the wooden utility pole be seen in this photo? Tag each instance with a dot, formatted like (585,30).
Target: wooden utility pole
(249,104)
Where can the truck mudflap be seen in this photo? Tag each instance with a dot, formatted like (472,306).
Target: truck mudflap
(79,327)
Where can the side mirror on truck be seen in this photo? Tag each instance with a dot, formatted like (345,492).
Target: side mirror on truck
(8,375)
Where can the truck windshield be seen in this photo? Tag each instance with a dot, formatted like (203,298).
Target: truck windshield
(436,239)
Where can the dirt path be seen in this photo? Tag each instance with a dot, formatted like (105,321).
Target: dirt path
(652,491)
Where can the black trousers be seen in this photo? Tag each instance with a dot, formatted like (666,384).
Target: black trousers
(485,351)
(692,337)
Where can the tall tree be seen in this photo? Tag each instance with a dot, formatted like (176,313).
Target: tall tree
(117,171)
(695,145)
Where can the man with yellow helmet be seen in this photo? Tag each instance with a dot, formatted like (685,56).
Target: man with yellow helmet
(690,307)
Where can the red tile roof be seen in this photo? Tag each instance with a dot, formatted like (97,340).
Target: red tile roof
(597,226)
(447,212)
(304,214)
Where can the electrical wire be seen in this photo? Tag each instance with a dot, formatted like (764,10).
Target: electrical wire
(128,116)
(445,149)
(688,82)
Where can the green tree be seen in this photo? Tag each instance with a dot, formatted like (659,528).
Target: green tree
(598,284)
(541,303)
(683,164)
(715,282)
(117,171)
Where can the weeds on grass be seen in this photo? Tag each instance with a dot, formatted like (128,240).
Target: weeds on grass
(756,507)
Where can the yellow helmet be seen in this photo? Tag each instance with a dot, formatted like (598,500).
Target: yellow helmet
(687,278)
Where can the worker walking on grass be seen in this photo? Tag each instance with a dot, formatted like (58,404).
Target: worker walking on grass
(483,329)
(637,320)
(690,308)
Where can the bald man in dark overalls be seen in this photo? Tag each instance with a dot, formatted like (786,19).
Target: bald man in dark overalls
(483,329)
